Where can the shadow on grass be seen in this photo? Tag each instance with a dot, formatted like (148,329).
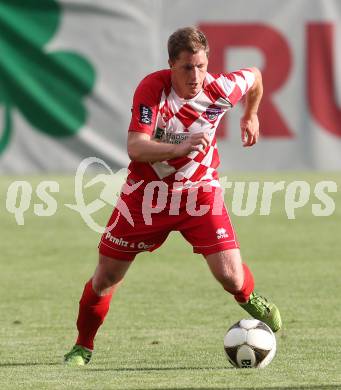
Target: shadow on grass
(160,368)
(28,364)
(122,369)
(32,364)
(139,369)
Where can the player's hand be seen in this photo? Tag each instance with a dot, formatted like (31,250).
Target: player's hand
(249,126)
(195,142)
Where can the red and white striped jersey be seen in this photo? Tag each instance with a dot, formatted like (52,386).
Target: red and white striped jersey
(158,111)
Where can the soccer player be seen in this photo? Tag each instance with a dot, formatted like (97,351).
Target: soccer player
(173,182)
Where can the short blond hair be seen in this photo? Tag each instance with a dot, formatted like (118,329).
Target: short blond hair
(186,39)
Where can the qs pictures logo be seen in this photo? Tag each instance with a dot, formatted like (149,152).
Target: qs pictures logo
(19,195)
(247,198)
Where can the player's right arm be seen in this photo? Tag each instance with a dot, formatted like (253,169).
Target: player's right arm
(142,148)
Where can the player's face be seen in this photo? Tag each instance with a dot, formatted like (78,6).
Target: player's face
(188,73)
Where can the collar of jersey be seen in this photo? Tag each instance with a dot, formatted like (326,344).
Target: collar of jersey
(183,100)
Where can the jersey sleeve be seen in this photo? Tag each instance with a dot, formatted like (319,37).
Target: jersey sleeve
(145,106)
(236,84)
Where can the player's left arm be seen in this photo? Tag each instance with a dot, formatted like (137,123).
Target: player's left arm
(249,123)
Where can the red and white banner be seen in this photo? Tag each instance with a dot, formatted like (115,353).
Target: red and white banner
(111,45)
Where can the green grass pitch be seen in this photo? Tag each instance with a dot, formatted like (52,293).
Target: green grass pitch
(166,325)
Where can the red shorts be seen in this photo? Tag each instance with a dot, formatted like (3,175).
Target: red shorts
(208,232)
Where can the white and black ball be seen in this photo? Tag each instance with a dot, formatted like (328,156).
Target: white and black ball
(250,344)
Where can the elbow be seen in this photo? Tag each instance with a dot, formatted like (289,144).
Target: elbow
(257,87)
(137,147)
(134,153)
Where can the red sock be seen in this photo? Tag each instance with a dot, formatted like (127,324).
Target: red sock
(243,295)
(92,311)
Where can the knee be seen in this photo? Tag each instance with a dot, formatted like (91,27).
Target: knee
(108,275)
(105,284)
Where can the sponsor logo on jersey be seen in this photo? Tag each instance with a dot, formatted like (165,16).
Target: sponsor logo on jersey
(176,138)
(146,114)
(221,233)
(212,113)
(170,138)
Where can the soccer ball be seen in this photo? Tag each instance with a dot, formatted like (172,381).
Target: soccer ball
(250,344)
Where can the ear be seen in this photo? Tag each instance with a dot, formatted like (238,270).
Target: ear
(170,63)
